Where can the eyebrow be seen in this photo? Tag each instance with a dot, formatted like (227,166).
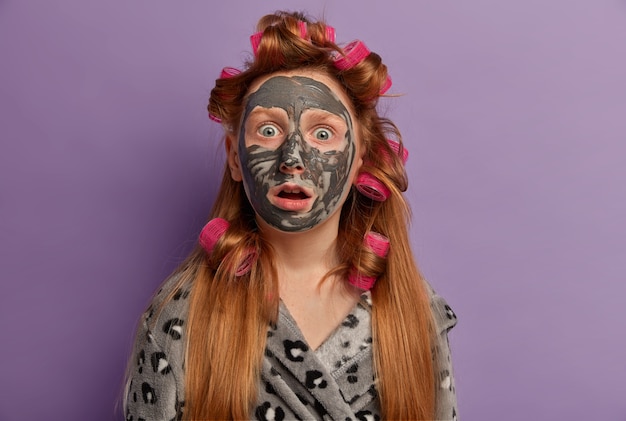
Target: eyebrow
(260,110)
(325,115)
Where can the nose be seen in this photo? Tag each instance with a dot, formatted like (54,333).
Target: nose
(291,161)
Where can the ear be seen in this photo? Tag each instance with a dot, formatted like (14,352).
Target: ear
(233,158)
(358,162)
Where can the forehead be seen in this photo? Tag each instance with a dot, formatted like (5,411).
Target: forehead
(290,90)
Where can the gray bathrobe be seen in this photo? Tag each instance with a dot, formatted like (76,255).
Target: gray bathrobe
(333,382)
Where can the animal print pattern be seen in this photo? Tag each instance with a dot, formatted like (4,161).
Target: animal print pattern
(445,319)
(155,387)
(334,382)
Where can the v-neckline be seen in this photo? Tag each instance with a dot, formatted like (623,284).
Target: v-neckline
(363,303)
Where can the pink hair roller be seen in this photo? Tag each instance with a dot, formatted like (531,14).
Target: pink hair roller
(212,232)
(386,85)
(246,264)
(395,146)
(378,243)
(255,40)
(371,187)
(353,54)
(214,118)
(228,72)
(330,34)
(364,283)
(210,235)
(303,31)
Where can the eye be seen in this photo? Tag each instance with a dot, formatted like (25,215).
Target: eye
(322,134)
(268,130)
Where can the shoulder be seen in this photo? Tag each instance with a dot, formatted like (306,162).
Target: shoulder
(445,318)
(160,335)
(155,385)
(166,315)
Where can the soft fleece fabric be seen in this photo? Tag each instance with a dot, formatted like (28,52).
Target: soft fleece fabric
(333,382)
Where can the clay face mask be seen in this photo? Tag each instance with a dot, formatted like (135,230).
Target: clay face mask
(296,147)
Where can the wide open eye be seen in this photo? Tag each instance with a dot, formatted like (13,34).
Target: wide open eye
(268,130)
(322,134)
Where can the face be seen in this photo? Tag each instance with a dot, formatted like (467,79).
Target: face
(297,150)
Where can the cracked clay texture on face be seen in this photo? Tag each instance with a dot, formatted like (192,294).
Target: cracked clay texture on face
(296,136)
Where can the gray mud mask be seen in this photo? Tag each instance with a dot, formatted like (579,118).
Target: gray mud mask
(295,185)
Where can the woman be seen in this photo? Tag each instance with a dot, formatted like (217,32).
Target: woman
(302,300)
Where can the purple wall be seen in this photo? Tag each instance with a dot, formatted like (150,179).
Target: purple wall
(515,116)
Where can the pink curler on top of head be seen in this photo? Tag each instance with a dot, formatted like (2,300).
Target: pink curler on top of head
(378,243)
(212,232)
(330,34)
(371,187)
(255,39)
(353,53)
(228,72)
(303,31)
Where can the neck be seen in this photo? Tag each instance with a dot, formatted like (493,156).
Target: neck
(304,257)
(302,261)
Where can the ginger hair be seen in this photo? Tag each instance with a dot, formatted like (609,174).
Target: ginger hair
(228,316)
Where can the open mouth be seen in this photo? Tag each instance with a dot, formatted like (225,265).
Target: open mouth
(291,197)
(293,194)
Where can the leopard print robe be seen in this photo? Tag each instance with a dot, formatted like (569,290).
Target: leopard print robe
(333,382)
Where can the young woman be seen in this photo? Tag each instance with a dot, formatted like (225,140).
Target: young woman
(302,299)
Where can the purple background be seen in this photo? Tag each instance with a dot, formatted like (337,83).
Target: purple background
(515,117)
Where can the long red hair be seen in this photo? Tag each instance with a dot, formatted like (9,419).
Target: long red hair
(227,314)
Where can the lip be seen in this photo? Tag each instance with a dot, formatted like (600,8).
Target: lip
(303,204)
